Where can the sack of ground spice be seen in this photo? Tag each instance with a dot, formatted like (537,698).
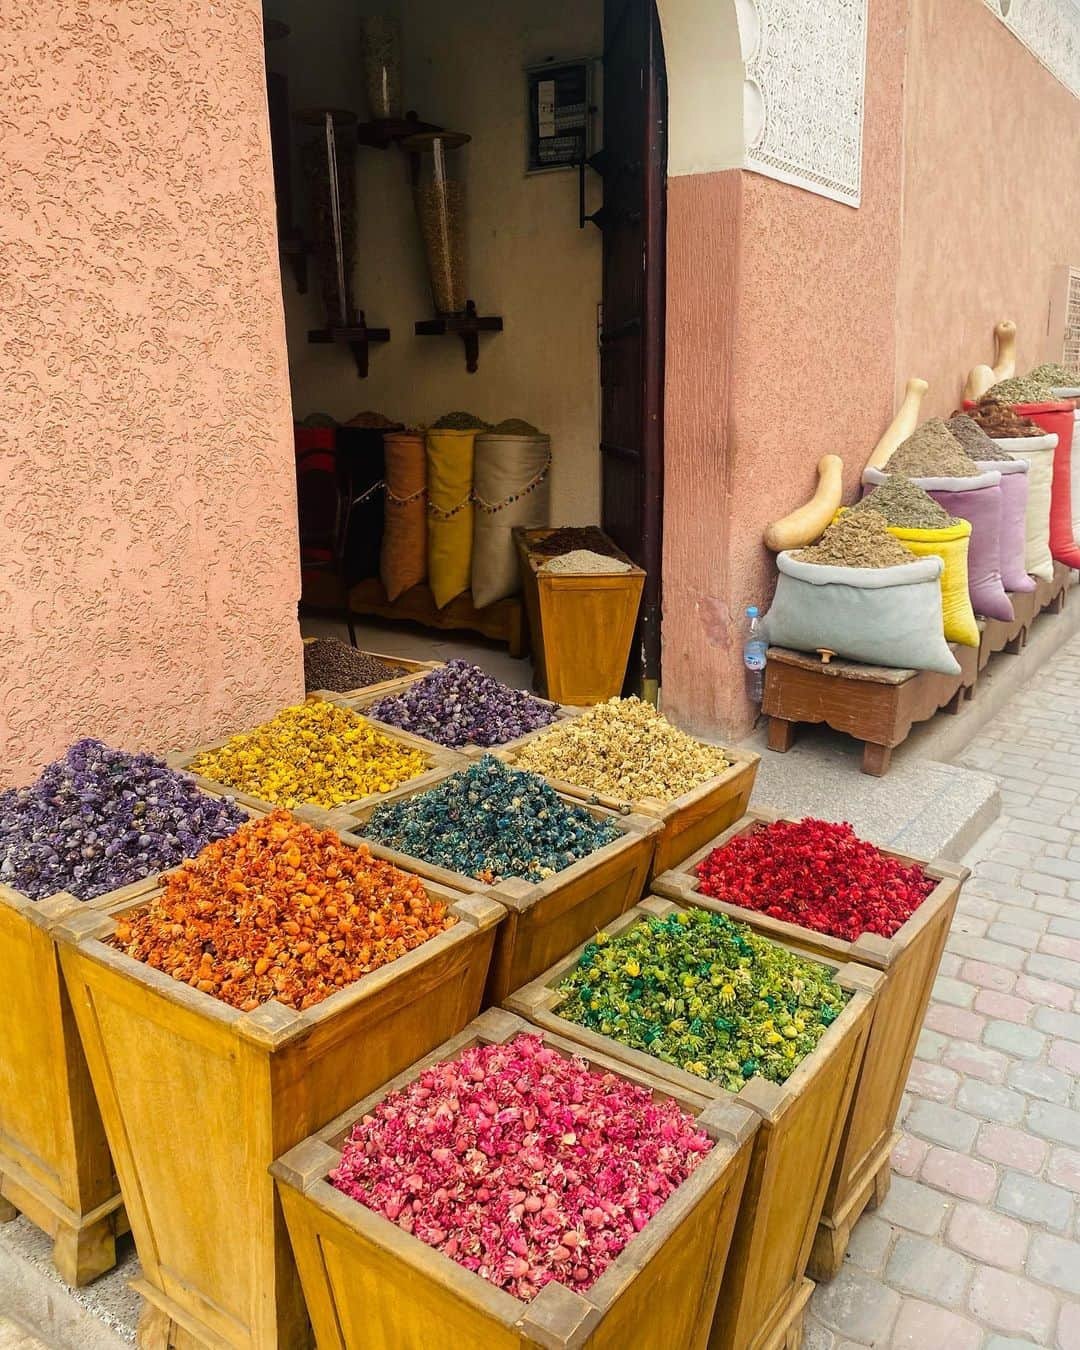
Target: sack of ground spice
(489,822)
(897,498)
(315,754)
(516,1194)
(512,490)
(625,749)
(974,496)
(333,665)
(886,613)
(283,911)
(931,451)
(818,875)
(1020,389)
(977,444)
(460,704)
(1056,376)
(703,993)
(100,818)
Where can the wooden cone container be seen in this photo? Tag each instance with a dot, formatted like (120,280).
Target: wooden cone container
(544,919)
(582,625)
(198,1099)
(371,1286)
(764,1294)
(909,962)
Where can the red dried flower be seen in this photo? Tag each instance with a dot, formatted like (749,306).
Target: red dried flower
(816,874)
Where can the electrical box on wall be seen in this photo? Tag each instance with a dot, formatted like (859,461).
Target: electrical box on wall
(562,101)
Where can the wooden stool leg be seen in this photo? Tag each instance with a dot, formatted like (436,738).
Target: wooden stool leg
(827,1255)
(781,735)
(882,1182)
(82,1254)
(8,1212)
(875,759)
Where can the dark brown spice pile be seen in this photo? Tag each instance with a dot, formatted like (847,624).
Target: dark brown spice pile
(975,441)
(329,664)
(572,537)
(1002,424)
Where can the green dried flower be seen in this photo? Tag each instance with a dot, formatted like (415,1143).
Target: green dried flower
(704,993)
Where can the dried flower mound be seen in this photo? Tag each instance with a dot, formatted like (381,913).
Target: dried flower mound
(568,538)
(317,754)
(1056,375)
(857,539)
(905,505)
(931,451)
(1000,422)
(280,910)
(490,821)
(977,444)
(623,748)
(333,665)
(99,819)
(816,874)
(459,704)
(521,1164)
(1020,389)
(703,993)
(460,421)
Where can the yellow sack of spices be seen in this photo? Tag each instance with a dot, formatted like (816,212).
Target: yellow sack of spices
(951,546)
(450,512)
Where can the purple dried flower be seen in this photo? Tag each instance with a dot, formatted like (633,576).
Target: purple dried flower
(461,704)
(101,818)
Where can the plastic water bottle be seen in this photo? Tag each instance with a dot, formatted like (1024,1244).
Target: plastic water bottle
(754,650)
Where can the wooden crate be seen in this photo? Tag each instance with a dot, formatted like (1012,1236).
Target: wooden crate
(765,1290)
(364,700)
(546,918)
(415,670)
(876,704)
(581,625)
(909,960)
(199,1098)
(437,758)
(370,1286)
(688,820)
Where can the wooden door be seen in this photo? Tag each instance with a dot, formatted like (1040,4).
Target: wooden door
(634,166)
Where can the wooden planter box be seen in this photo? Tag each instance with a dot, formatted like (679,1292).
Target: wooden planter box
(199,1098)
(765,1292)
(909,961)
(415,670)
(689,820)
(582,626)
(370,1286)
(437,758)
(545,919)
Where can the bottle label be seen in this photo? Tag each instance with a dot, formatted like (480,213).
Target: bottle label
(754,660)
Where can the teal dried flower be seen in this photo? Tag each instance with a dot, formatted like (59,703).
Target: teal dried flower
(706,994)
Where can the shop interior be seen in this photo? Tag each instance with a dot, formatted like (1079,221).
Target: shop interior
(452,232)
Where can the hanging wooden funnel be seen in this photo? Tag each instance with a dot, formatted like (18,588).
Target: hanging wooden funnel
(902,425)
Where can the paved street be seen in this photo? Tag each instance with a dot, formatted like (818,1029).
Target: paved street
(978,1245)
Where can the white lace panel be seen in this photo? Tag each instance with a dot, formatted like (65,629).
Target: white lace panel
(1050,29)
(805,69)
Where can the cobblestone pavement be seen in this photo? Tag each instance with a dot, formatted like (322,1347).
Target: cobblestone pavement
(977,1246)
(13,1337)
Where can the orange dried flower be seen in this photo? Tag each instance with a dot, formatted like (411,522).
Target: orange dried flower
(280,910)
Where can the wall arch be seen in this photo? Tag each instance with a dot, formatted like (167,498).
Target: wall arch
(705,78)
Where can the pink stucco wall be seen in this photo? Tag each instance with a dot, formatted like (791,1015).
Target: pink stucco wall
(991,196)
(148,575)
(780,348)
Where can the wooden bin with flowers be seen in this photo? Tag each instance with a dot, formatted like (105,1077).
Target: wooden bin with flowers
(371,1285)
(414,670)
(55,1164)
(199,1096)
(909,962)
(544,919)
(364,701)
(765,1290)
(688,820)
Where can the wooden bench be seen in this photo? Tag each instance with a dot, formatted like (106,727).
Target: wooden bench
(875,704)
(1048,596)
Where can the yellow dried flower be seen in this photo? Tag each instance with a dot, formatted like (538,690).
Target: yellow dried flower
(316,754)
(623,748)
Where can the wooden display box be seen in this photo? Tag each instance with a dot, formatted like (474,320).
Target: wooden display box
(55,1164)
(909,961)
(545,919)
(581,625)
(371,1286)
(415,670)
(876,704)
(199,1098)
(765,1290)
(438,761)
(1047,597)
(470,750)
(689,820)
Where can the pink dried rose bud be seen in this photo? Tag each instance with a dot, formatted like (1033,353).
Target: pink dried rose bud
(520,1163)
